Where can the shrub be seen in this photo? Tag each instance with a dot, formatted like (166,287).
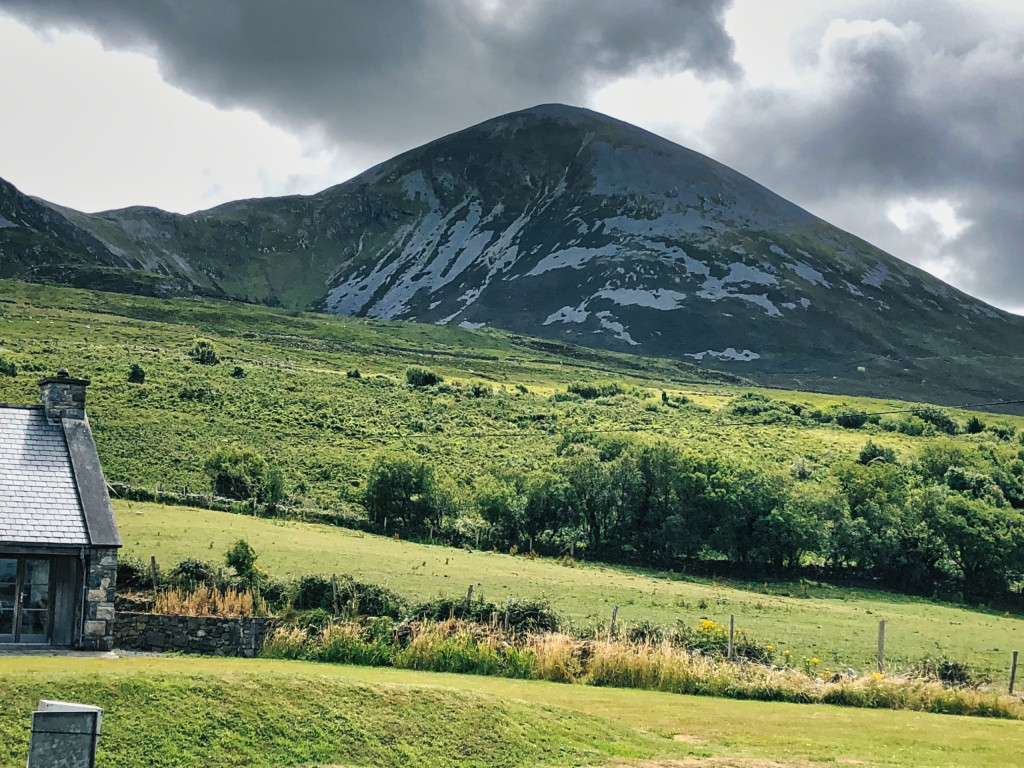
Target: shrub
(203,352)
(402,492)
(8,367)
(872,453)
(136,374)
(242,558)
(421,377)
(523,615)
(1002,431)
(242,473)
(354,374)
(768,410)
(939,419)
(132,573)
(975,425)
(192,572)
(238,372)
(198,393)
(851,419)
(589,391)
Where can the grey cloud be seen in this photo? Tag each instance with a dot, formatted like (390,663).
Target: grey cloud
(390,74)
(897,111)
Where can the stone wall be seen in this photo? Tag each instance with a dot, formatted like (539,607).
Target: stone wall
(212,635)
(100,581)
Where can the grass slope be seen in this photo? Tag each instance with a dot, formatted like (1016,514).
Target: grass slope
(836,625)
(296,404)
(232,712)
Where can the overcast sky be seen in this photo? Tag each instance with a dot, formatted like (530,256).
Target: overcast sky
(901,121)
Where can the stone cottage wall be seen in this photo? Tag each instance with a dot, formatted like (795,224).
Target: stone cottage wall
(212,635)
(100,582)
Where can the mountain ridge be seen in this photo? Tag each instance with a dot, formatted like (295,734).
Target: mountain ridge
(563,223)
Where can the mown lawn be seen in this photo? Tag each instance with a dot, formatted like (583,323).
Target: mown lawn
(188,711)
(838,626)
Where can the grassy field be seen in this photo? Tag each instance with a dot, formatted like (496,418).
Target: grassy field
(226,712)
(836,625)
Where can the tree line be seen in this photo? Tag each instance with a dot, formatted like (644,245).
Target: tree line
(945,522)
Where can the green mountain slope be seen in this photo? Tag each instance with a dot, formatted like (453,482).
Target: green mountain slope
(563,223)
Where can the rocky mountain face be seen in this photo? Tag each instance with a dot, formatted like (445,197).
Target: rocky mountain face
(563,223)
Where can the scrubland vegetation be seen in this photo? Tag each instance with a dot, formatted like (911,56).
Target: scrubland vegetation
(505,443)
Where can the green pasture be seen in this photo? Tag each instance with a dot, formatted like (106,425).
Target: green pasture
(838,626)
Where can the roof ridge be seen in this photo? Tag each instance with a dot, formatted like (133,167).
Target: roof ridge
(21,407)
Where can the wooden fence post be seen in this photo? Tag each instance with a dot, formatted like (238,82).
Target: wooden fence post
(334,593)
(508,607)
(469,598)
(881,645)
(732,630)
(1013,671)
(152,572)
(611,627)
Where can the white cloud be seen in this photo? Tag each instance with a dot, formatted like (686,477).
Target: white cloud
(96,129)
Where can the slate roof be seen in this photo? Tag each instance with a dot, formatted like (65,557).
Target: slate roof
(39,500)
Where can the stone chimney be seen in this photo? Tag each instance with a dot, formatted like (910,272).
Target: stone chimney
(63,397)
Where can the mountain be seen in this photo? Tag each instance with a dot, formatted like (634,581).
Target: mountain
(561,223)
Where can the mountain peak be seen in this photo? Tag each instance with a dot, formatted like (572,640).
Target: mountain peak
(558,221)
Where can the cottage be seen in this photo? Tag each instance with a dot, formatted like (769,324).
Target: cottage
(58,537)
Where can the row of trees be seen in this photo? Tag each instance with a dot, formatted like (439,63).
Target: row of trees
(910,526)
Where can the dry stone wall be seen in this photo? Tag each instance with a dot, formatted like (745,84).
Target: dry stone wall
(211,635)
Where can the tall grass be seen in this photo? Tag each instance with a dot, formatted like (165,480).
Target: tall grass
(459,647)
(209,601)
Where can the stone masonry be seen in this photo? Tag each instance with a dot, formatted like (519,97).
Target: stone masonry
(63,397)
(213,635)
(100,582)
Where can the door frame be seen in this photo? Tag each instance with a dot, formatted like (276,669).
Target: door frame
(19,607)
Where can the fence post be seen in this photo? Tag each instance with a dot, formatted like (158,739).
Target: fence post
(1013,671)
(508,607)
(881,645)
(334,593)
(732,630)
(611,627)
(469,598)
(152,572)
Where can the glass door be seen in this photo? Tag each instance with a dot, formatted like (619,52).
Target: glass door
(35,602)
(24,600)
(8,598)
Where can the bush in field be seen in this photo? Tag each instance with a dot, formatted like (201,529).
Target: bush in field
(191,572)
(242,558)
(132,573)
(751,404)
(939,419)
(872,452)
(418,377)
(136,374)
(8,367)
(203,352)
(403,493)
(590,391)
(242,473)
(851,419)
